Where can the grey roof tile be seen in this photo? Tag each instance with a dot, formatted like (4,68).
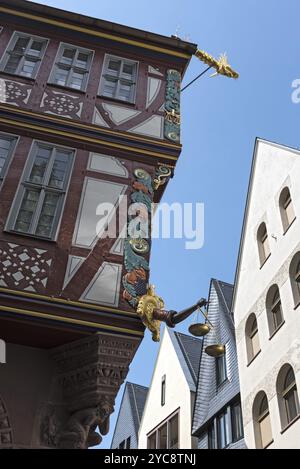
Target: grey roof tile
(210,399)
(130,414)
(138,395)
(189,351)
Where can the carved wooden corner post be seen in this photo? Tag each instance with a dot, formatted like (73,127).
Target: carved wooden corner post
(91,372)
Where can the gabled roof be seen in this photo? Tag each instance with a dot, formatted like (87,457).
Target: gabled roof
(188,350)
(210,400)
(137,396)
(258,141)
(225,291)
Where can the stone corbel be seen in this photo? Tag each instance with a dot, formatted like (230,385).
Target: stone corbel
(91,372)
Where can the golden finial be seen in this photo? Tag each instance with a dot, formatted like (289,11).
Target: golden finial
(221,65)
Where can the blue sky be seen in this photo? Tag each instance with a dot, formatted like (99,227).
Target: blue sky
(220,120)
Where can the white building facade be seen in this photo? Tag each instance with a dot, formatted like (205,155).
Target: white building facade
(167,417)
(266,301)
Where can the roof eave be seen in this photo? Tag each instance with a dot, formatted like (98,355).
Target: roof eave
(173,43)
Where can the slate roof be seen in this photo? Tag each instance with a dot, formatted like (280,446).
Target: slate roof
(225,296)
(210,399)
(137,396)
(189,351)
(130,414)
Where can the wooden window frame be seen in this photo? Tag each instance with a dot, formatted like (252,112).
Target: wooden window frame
(72,68)
(9,52)
(118,78)
(14,142)
(26,184)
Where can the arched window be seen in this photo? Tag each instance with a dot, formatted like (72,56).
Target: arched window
(274,309)
(286,208)
(263,243)
(287,394)
(252,338)
(295,278)
(262,421)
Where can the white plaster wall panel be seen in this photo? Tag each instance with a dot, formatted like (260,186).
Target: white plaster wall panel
(95,192)
(153,88)
(118,246)
(74,262)
(107,164)
(98,119)
(153,127)
(178,395)
(120,114)
(105,286)
(154,71)
(275,167)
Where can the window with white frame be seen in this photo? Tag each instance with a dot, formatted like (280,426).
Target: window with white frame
(24,54)
(166,436)
(226,427)
(39,202)
(223,429)
(7,145)
(72,67)
(118,79)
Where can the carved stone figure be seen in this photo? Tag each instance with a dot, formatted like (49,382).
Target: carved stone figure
(49,429)
(80,430)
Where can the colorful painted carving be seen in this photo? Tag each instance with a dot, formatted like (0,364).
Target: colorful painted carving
(172,106)
(162,175)
(137,267)
(135,281)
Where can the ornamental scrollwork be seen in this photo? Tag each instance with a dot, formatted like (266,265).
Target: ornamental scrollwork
(172,106)
(162,175)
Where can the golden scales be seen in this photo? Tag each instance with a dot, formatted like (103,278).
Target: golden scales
(198,329)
